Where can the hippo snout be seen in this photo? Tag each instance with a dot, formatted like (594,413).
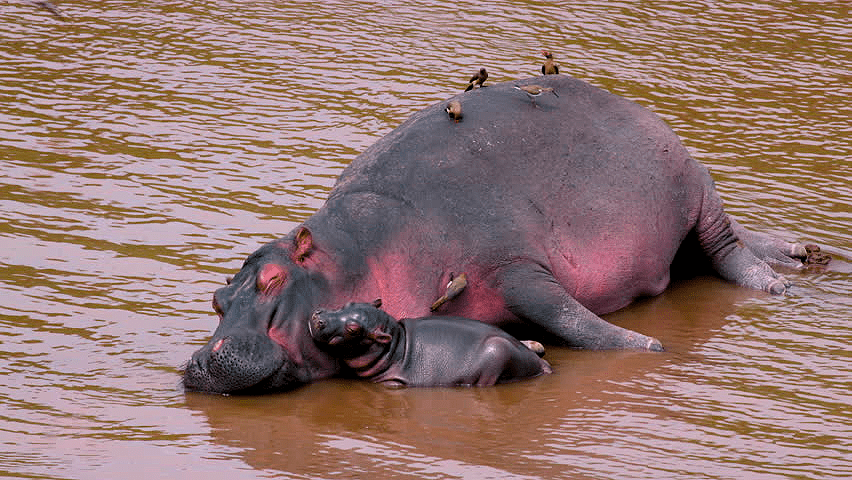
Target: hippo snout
(233,362)
(328,327)
(317,324)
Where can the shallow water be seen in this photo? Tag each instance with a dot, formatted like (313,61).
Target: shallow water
(148,147)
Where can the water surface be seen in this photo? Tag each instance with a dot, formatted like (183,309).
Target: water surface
(146,148)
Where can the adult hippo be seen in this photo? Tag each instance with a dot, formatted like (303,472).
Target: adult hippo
(557,211)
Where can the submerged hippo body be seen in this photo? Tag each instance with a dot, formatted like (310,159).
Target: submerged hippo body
(557,212)
(422,352)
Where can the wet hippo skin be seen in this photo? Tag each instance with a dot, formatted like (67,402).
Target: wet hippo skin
(422,352)
(557,211)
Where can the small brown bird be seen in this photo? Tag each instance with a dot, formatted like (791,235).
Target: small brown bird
(550,67)
(454,288)
(454,110)
(477,79)
(535,90)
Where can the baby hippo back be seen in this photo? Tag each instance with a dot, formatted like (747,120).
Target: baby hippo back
(450,351)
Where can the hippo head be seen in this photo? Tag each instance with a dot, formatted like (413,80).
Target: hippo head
(350,331)
(262,343)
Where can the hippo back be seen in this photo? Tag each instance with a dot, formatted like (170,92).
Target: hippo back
(595,187)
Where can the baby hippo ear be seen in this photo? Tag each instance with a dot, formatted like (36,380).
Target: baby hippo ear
(380,336)
(377,303)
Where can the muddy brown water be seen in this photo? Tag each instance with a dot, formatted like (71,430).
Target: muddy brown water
(146,148)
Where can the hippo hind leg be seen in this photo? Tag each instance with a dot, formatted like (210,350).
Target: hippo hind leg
(533,294)
(728,254)
(500,360)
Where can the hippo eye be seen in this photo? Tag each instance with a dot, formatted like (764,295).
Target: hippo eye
(270,278)
(274,283)
(217,308)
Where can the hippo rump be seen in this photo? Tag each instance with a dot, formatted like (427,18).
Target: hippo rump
(557,211)
(433,351)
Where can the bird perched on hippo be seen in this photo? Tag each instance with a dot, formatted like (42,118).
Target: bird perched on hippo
(550,67)
(454,110)
(534,91)
(556,216)
(477,80)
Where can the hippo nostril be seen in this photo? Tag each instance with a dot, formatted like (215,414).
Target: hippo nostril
(194,364)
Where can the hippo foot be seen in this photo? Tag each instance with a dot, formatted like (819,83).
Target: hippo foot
(813,255)
(654,345)
(777,252)
(536,347)
(778,287)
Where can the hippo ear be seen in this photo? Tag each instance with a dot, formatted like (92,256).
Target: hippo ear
(380,336)
(377,303)
(303,244)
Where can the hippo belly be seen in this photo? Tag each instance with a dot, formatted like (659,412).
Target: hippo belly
(602,201)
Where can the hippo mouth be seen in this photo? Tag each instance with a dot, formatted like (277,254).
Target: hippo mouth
(317,327)
(240,364)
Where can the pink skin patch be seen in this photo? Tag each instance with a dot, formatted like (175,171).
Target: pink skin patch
(407,290)
(603,277)
(218,344)
(611,275)
(299,348)
(483,303)
(285,338)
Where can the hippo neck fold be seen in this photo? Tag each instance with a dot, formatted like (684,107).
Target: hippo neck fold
(352,236)
(380,356)
(288,328)
(339,255)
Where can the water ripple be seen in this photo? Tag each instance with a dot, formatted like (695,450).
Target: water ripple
(147,149)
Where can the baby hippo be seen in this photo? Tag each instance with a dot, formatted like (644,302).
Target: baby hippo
(422,352)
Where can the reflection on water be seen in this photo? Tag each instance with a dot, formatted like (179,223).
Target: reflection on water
(148,148)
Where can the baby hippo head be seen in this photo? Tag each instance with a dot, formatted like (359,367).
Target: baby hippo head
(352,329)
